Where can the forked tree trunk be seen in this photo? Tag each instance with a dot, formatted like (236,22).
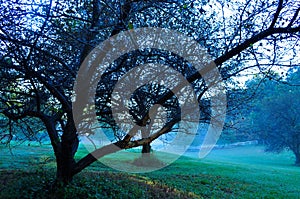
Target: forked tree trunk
(64,149)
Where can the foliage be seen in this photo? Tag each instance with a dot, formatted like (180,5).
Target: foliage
(275,114)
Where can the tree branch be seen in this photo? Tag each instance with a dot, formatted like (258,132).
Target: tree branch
(119,145)
(294,18)
(276,15)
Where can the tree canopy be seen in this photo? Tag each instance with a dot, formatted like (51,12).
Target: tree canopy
(274,116)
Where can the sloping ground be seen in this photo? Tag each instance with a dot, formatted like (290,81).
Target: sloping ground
(21,184)
(242,172)
(86,185)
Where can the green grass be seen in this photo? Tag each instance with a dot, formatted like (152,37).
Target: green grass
(243,172)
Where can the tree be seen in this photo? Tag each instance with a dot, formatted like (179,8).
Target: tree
(43,45)
(275,115)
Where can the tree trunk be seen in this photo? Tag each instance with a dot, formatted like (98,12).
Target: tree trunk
(69,146)
(59,168)
(146,147)
(64,149)
(56,145)
(65,162)
(146,150)
(297,162)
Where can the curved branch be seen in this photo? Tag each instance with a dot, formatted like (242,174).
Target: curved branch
(271,31)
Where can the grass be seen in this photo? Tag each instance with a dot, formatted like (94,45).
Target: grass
(243,172)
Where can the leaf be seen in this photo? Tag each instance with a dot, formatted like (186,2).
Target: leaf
(130,26)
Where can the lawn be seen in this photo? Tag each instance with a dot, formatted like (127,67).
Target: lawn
(242,172)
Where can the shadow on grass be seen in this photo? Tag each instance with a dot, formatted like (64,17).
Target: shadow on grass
(148,160)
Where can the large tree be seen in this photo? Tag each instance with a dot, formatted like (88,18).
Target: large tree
(44,43)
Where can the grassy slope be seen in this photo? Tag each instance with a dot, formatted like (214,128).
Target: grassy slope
(244,172)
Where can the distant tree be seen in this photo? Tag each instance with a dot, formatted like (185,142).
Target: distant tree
(275,115)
